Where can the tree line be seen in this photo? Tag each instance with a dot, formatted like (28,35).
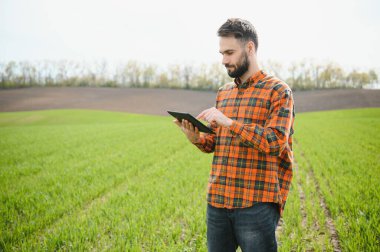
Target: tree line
(303,75)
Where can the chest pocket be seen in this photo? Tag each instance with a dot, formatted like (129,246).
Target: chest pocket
(254,110)
(227,107)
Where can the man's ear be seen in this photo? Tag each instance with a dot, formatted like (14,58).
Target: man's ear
(251,48)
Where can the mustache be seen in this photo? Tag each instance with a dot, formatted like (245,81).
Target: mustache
(228,65)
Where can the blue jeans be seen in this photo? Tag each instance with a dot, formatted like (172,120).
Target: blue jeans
(252,228)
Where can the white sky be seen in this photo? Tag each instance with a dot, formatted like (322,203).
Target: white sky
(174,31)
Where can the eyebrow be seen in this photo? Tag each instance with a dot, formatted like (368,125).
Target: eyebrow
(228,50)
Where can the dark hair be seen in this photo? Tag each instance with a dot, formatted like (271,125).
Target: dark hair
(241,29)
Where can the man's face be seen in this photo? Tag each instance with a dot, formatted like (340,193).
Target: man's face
(235,56)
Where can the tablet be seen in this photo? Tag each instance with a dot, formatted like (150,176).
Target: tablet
(201,127)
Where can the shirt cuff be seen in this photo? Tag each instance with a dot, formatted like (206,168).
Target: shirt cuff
(201,141)
(236,127)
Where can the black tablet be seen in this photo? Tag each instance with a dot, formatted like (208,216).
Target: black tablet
(201,127)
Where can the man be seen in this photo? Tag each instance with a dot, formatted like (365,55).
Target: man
(252,165)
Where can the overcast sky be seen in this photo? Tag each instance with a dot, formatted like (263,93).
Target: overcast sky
(174,31)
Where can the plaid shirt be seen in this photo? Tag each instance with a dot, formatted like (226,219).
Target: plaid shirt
(253,158)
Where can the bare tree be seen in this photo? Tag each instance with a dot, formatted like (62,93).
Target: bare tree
(148,74)
(188,72)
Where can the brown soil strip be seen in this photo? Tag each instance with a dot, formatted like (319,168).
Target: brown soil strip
(329,221)
(302,198)
(157,101)
(279,230)
(334,238)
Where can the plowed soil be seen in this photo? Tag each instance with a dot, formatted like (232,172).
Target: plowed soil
(158,101)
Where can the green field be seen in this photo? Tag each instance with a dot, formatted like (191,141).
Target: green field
(94,180)
(339,152)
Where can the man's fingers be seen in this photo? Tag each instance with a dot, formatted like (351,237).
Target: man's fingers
(177,122)
(206,112)
(191,127)
(201,115)
(209,116)
(185,124)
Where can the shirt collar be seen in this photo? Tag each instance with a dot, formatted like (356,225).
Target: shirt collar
(254,79)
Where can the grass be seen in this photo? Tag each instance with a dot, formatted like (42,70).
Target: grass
(88,180)
(341,149)
(96,180)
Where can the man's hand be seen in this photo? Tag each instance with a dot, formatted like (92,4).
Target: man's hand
(191,133)
(213,115)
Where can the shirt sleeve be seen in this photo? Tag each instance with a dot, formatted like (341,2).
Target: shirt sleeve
(206,143)
(273,137)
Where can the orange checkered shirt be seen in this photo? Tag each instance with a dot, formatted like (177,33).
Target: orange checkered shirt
(253,158)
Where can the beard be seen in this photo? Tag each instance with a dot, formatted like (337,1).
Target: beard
(240,68)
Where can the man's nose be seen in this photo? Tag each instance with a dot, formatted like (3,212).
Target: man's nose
(225,60)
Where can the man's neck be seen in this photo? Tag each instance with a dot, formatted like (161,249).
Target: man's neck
(253,68)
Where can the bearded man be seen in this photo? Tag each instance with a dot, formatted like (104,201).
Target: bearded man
(253,158)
